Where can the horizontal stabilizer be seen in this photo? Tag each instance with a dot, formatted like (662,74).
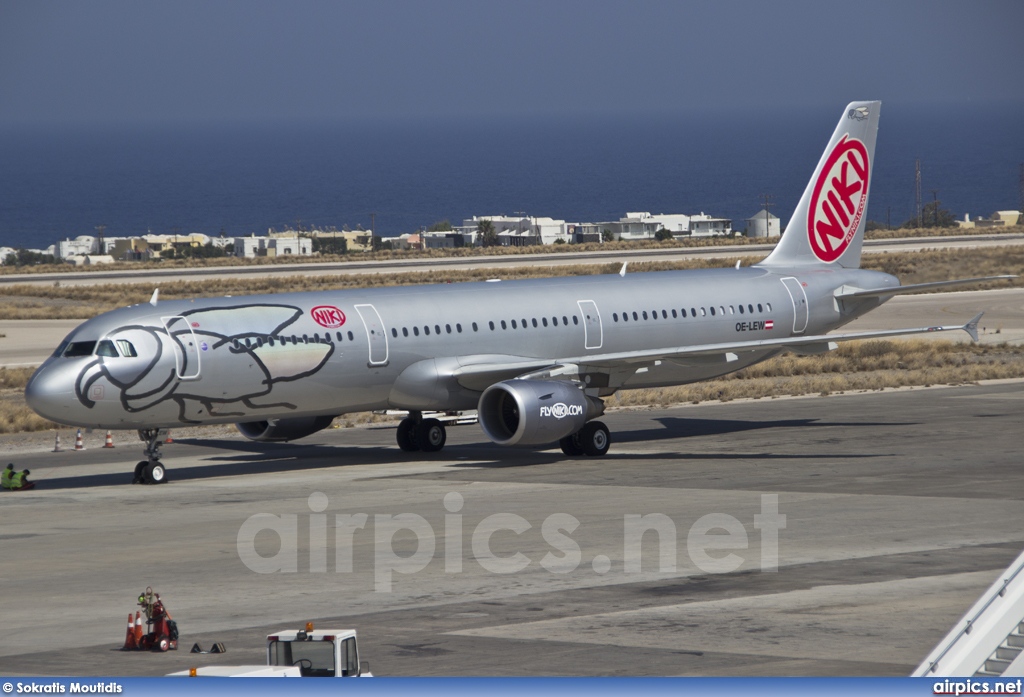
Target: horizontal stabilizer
(916,287)
(972,326)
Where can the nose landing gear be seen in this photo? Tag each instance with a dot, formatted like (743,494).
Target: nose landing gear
(150,471)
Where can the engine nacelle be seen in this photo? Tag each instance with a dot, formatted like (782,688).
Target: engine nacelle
(278,430)
(528,412)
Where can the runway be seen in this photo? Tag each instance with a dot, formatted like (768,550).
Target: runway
(899,509)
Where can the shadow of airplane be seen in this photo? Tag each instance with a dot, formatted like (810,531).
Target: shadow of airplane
(252,457)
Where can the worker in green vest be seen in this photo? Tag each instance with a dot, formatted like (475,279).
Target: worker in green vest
(16,480)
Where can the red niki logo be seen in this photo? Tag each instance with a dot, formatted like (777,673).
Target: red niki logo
(838,200)
(328,316)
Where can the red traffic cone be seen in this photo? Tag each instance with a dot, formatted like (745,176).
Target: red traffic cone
(130,643)
(79,445)
(56,445)
(109,443)
(168,439)
(138,628)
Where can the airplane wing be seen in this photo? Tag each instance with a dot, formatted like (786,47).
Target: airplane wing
(847,292)
(480,373)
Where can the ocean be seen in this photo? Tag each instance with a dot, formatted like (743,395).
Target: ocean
(242,179)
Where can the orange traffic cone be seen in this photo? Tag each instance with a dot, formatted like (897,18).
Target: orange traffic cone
(79,445)
(168,439)
(138,629)
(130,643)
(109,443)
(56,445)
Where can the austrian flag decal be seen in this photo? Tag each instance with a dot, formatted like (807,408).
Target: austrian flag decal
(838,199)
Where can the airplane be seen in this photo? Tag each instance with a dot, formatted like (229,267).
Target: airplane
(535,358)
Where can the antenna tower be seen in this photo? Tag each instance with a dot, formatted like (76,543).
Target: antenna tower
(917,191)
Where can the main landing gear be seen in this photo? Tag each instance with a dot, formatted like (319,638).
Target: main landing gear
(592,440)
(418,434)
(150,471)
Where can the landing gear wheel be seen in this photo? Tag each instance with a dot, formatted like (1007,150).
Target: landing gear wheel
(571,445)
(431,435)
(154,473)
(406,436)
(595,439)
(137,479)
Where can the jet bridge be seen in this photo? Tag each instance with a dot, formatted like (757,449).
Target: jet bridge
(988,642)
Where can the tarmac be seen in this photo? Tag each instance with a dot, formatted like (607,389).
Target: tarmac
(839,535)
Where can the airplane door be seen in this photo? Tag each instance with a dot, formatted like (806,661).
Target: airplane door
(799,298)
(186,347)
(593,332)
(375,334)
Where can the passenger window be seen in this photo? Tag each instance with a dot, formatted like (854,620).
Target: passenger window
(126,348)
(535,322)
(405,331)
(673,314)
(615,316)
(492,325)
(664,314)
(575,319)
(741,309)
(545,321)
(514,324)
(750,308)
(437,329)
(351,337)
(106,348)
(712,310)
(339,337)
(565,320)
(769,306)
(693,312)
(447,328)
(394,332)
(416,331)
(635,317)
(503,325)
(732,310)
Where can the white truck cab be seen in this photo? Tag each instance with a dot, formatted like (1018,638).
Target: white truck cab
(294,653)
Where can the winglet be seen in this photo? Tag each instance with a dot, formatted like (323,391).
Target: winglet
(622,271)
(972,326)
(156,294)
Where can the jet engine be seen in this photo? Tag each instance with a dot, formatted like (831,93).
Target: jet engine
(529,412)
(278,430)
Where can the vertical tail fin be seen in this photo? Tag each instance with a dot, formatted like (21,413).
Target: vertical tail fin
(827,226)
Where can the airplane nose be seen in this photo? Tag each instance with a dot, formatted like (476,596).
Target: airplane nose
(50,393)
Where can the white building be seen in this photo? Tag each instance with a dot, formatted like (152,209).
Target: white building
(703,225)
(764,224)
(516,230)
(80,246)
(276,245)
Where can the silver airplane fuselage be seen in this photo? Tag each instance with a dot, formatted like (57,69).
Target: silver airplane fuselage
(228,360)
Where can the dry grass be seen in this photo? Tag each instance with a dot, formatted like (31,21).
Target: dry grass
(867,365)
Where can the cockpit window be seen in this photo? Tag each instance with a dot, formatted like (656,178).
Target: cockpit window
(77,349)
(106,348)
(127,349)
